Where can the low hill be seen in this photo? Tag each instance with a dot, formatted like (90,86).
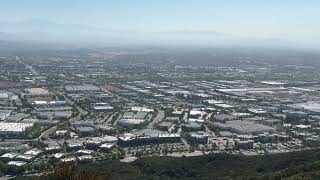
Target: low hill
(294,165)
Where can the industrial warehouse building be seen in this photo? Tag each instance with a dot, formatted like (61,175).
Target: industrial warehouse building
(36,93)
(244,127)
(130,123)
(14,130)
(200,137)
(81,88)
(148,136)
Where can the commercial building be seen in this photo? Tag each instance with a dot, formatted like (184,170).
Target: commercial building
(102,107)
(52,146)
(141,109)
(85,158)
(223,117)
(74,144)
(244,127)
(311,107)
(49,103)
(313,141)
(17,163)
(165,126)
(199,137)
(96,142)
(243,144)
(8,156)
(4,114)
(36,94)
(106,147)
(130,123)
(191,126)
(14,130)
(273,138)
(33,152)
(195,114)
(129,139)
(85,131)
(81,88)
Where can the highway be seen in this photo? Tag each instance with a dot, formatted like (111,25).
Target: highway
(33,71)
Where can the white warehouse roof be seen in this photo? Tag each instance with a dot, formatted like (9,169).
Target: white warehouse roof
(14,127)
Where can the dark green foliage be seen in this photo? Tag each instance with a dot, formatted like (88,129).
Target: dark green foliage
(289,166)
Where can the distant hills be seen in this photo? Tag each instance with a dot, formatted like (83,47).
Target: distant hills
(38,30)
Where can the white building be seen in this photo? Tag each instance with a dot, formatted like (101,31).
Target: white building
(4,114)
(14,129)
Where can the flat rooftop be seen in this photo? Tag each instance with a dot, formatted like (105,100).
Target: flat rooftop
(14,127)
(37,91)
(81,88)
(245,126)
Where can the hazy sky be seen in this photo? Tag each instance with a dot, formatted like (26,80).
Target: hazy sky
(296,20)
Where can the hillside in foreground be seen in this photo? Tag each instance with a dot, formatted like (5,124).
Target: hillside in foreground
(295,165)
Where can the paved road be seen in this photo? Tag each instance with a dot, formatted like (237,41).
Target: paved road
(185,143)
(118,118)
(185,117)
(81,111)
(116,95)
(171,128)
(28,67)
(208,130)
(74,119)
(157,119)
(46,134)
(106,121)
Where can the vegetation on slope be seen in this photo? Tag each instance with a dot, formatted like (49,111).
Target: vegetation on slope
(295,165)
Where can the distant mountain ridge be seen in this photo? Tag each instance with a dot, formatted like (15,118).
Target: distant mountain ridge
(38,30)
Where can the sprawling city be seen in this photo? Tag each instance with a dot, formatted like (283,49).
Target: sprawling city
(159,90)
(115,105)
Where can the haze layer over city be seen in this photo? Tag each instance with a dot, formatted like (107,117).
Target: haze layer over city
(162,89)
